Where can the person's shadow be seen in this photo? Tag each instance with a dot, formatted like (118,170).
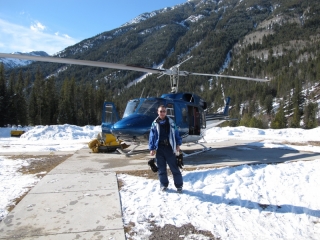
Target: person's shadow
(284,208)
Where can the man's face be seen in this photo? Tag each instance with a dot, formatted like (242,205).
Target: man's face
(162,112)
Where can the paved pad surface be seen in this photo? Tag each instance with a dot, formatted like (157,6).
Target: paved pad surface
(79,199)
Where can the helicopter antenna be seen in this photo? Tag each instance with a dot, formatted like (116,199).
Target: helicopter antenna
(191,97)
(222,90)
(210,83)
(142,92)
(224,97)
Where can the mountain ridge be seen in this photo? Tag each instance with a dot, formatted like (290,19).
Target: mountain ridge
(278,39)
(10,63)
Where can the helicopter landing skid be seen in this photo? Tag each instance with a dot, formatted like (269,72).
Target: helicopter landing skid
(127,153)
(205,149)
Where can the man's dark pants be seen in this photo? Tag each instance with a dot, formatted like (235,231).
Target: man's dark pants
(166,156)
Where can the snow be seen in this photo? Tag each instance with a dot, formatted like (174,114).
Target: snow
(12,62)
(275,201)
(48,138)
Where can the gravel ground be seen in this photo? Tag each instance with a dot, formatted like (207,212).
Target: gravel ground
(186,231)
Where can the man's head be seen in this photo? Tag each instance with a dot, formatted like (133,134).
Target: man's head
(162,111)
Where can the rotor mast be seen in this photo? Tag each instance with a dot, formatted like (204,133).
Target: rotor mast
(174,76)
(174,80)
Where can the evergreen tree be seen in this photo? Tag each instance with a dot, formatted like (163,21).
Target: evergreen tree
(245,120)
(3,97)
(64,114)
(67,103)
(27,85)
(36,100)
(255,123)
(20,102)
(310,115)
(268,101)
(280,120)
(296,118)
(50,102)
(32,108)
(73,101)
(90,105)
(11,104)
(297,101)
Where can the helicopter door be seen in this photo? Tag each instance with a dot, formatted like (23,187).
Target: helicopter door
(109,116)
(194,120)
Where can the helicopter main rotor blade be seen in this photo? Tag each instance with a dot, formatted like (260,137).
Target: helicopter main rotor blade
(82,62)
(173,71)
(224,76)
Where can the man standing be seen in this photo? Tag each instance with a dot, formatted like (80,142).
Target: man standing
(164,142)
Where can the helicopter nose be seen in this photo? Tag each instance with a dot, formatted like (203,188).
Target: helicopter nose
(133,127)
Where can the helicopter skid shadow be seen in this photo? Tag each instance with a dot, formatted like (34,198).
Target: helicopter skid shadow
(248,153)
(130,152)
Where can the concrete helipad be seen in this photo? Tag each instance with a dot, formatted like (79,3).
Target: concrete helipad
(79,199)
(76,200)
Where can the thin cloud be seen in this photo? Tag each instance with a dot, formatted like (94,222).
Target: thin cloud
(66,36)
(37,26)
(14,38)
(63,35)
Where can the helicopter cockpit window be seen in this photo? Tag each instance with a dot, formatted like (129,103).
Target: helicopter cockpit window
(150,107)
(131,107)
(109,116)
(170,111)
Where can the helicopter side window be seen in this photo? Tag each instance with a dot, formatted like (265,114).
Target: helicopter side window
(170,111)
(184,115)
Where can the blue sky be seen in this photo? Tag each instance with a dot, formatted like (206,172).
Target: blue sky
(52,25)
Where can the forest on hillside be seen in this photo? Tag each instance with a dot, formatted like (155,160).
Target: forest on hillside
(266,38)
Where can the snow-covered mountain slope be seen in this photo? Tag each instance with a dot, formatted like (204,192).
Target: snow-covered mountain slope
(12,63)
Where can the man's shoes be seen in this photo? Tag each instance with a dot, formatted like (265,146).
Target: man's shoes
(179,190)
(163,189)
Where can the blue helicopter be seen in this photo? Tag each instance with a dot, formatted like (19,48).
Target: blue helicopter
(186,109)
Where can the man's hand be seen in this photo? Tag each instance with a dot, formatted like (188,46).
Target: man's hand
(178,148)
(152,152)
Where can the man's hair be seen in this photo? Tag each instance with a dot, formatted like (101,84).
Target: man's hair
(162,106)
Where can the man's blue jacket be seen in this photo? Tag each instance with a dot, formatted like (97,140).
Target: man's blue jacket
(174,137)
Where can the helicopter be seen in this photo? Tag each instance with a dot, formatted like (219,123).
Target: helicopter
(188,110)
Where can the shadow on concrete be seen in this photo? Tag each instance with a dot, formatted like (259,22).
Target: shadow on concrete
(248,153)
